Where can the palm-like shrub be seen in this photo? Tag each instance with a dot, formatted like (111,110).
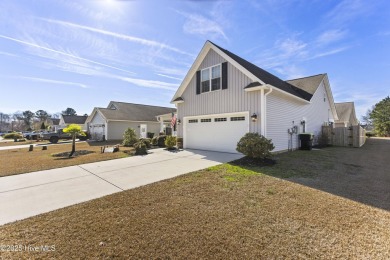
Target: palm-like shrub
(255,146)
(129,137)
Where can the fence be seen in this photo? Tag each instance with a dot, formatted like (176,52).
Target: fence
(353,136)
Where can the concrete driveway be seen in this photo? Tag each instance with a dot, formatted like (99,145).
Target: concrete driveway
(30,194)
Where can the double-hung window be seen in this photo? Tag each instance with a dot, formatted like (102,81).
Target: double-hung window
(211,79)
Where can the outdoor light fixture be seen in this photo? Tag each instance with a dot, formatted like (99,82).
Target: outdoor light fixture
(178,121)
(254,117)
(303,122)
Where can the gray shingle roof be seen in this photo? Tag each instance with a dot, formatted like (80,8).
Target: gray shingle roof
(134,112)
(74,119)
(267,77)
(344,111)
(308,84)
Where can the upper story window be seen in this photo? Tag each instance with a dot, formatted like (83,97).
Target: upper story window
(211,79)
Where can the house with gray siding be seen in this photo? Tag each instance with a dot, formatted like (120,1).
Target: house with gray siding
(223,96)
(110,123)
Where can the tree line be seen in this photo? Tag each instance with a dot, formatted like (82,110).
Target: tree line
(28,120)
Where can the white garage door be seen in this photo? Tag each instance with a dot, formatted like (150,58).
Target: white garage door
(215,133)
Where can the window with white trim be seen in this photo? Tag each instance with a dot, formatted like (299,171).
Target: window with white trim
(220,119)
(211,79)
(193,121)
(205,120)
(237,118)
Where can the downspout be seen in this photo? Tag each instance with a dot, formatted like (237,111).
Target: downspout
(264,112)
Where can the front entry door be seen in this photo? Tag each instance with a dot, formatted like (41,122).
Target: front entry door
(143,131)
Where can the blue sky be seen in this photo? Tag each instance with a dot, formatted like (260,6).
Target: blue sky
(82,54)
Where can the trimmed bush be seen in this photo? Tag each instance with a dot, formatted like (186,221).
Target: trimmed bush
(170,142)
(255,146)
(140,148)
(150,135)
(147,141)
(129,137)
(13,135)
(155,141)
(161,140)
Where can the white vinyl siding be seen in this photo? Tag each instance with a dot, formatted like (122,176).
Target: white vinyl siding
(282,111)
(115,129)
(230,100)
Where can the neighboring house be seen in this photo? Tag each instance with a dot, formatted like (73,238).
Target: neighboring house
(110,123)
(78,120)
(224,96)
(54,124)
(166,123)
(347,115)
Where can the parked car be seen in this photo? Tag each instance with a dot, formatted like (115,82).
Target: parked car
(34,135)
(53,137)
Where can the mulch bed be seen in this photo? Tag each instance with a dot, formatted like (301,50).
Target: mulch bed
(76,153)
(248,161)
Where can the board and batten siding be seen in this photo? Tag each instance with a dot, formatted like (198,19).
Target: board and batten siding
(284,112)
(116,129)
(230,100)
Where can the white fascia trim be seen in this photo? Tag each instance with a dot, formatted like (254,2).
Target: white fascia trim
(221,114)
(262,87)
(330,97)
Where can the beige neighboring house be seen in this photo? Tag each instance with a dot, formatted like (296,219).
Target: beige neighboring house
(78,120)
(346,114)
(110,123)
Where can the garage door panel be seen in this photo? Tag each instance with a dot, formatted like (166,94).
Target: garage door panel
(214,133)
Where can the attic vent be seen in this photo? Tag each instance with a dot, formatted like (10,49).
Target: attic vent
(113,107)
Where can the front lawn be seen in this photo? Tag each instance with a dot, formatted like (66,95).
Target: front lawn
(224,212)
(20,160)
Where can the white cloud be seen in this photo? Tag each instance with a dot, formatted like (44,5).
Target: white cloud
(169,77)
(129,38)
(8,54)
(348,10)
(62,53)
(50,81)
(330,36)
(149,83)
(291,47)
(327,53)
(200,25)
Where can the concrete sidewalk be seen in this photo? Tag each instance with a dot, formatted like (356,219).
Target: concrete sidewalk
(30,194)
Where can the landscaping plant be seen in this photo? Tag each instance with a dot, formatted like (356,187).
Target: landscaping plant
(13,135)
(155,141)
(74,130)
(170,142)
(129,137)
(147,141)
(140,148)
(161,140)
(255,146)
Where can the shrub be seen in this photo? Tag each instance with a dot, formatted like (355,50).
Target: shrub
(161,140)
(150,135)
(147,141)
(170,142)
(140,148)
(155,141)
(255,146)
(370,134)
(13,135)
(129,137)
